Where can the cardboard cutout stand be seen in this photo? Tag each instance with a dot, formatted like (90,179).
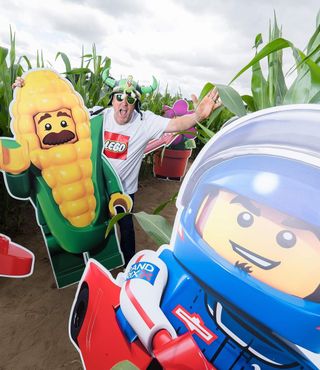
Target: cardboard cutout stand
(55,161)
(238,287)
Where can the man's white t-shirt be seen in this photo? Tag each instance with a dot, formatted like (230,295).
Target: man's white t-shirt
(124,145)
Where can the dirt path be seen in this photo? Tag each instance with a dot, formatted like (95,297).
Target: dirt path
(34,313)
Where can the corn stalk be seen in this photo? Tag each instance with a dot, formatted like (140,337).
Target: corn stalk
(10,68)
(87,78)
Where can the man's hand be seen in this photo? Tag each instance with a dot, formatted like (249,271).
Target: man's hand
(207,105)
(119,200)
(202,111)
(19,82)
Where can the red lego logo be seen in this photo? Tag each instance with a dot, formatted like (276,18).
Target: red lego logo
(115,145)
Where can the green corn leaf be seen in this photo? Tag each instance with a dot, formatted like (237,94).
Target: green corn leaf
(214,117)
(114,220)
(106,63)
(202,139)
(271,47)
(258,41)
(207,87)
(314,40)
(307,83)
(78,71)
(231,100)
(315,99)
(276,81)
(65,60)
(3,54)
(250,102)
(26,59)
(156,226)
(12,53)
(97,67)
(163,205)
(259,88)
(207,132)
(40,61)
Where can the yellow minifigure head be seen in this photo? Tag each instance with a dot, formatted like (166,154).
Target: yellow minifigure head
(247,213)
(47,112)
(273,247)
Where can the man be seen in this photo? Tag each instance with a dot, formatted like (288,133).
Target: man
(127,132)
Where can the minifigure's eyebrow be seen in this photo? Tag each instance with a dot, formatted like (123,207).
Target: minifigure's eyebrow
(46,115)
(299,224)
(59,114)
(246,203)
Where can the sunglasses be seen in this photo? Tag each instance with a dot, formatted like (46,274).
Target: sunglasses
(120,97)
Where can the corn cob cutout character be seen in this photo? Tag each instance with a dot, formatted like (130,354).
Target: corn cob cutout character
(55,159)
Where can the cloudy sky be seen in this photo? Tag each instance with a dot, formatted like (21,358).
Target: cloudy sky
(183,43)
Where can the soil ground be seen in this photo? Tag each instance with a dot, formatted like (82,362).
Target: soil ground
(34,313)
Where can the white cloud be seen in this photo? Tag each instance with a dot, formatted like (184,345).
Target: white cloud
(183,43)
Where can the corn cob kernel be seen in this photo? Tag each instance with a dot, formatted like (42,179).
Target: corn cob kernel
(49,177)
(78,207)
(82,220)
(86,167)
(73,191)
(83,148)
(62,154)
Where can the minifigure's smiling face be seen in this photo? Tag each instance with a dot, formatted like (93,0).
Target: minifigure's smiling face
(271,246)
(55,128)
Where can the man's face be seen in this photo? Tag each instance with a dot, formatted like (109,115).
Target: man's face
(122,109)
(271,246)
(55,128)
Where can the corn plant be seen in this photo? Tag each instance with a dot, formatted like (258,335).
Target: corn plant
(10,68)
(271,90)
(87,79)
(155,102)
(266,92)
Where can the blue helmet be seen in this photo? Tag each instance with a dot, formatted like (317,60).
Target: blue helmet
(271,157)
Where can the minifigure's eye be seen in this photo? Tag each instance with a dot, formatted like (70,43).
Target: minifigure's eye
(47,127)
(63,124)
(286,239)
(245,219)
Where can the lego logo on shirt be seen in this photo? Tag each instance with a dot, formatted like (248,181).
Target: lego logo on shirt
(115,145)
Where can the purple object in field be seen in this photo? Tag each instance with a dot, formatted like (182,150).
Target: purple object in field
(179,108)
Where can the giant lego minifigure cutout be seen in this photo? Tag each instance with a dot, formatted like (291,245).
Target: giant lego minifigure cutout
(55,159)
(238,287)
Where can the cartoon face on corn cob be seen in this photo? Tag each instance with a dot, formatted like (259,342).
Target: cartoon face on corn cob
(51,122)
